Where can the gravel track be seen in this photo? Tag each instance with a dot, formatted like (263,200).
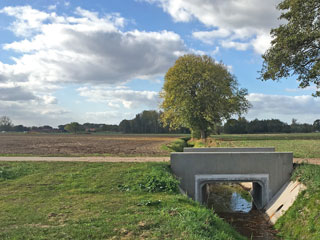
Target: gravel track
(117,159)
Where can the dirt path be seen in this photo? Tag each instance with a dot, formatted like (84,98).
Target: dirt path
(85,159)
(307,160)
(117,159)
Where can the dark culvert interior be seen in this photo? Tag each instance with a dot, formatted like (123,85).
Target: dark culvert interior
(233,203)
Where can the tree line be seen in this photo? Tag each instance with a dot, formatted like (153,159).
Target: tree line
(150,122)
(243,126)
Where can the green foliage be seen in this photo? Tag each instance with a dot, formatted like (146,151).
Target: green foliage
(8,172)
(199,93)
(302,220)
(295,48)
(147,122)
(316,125)
(156,179)
(73,127)
(177,145)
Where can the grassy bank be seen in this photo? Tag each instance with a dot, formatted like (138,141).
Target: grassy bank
(304,145)
(176,145)
(302,220)
(100,201)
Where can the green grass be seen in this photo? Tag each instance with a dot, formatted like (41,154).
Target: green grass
(100,201)
(176,145)
(302,220)
(304,145)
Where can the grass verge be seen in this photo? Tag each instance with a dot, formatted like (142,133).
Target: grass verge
(302,220)
(100,201)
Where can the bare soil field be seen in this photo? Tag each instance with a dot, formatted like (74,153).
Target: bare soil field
(84,144)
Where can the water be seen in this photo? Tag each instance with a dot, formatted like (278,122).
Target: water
(232,203)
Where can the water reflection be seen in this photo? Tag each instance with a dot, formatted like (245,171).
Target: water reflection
(228,198)
(234,204)
(239,204)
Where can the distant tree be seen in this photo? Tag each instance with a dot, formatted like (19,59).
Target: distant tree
(125,126)
(294,125)
(5,124)
(276,126)
(61,128)
(316,125)
(257,126)
(295,48)
(199,93)
(239,126)
(73,127)
(20,128)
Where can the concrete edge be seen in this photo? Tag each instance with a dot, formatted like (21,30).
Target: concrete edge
(282,201)
(225,153)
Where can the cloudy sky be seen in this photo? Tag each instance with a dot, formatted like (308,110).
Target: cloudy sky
(103,61)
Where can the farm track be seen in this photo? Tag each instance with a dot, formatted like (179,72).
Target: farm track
(84,159)
(117,159)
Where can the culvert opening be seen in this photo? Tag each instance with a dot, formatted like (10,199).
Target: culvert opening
(228,197)
(232,201)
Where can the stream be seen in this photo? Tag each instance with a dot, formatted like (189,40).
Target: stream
(233,203)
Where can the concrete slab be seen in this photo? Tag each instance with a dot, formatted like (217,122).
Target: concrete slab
(238,149)
(283,200)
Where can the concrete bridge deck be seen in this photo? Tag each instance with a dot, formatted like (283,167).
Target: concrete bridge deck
(268,170)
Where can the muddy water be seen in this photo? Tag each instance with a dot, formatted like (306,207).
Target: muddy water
(232,203)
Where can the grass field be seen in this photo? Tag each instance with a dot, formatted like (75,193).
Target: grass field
(305,145)
(100,201)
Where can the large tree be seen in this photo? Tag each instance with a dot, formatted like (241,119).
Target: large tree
(295,48)
(199,93)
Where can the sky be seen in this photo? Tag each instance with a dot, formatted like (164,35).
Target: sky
(104,61)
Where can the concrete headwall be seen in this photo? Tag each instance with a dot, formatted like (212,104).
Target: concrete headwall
(278,166)
(238,149)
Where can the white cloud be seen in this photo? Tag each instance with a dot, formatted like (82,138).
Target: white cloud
(305,108)
(33,113)
(87,48)
(231,20)
(52,7)
(127,98)
(53,51)
(111,117)
(209,36)
(237,45)
(8,93)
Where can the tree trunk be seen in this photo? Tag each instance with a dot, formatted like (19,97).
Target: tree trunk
(203,134)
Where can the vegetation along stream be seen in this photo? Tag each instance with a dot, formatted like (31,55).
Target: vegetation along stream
(234,204)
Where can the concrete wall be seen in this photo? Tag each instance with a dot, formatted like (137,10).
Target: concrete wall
(243,149)
(278,166)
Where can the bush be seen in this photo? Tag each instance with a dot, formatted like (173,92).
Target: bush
(13,172)
(156,179)
(159,179)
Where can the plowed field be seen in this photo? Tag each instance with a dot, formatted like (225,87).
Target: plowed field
(83,144)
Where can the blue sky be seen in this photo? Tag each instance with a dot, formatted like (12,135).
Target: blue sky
(103,61)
